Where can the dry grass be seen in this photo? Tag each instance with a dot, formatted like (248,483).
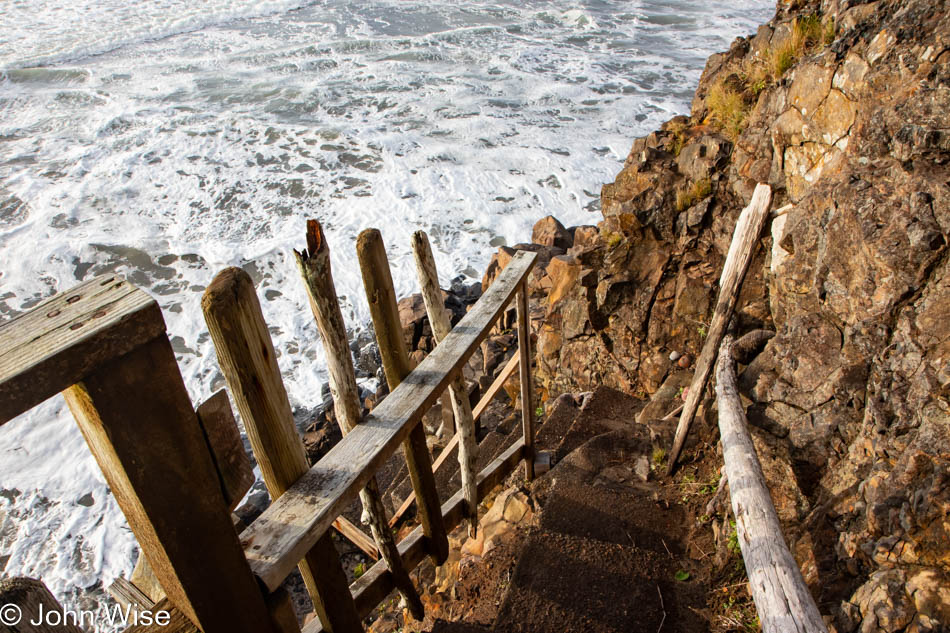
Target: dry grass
(678,130)
(690,195)
(727,109)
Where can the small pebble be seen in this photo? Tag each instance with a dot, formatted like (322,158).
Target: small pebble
(685,361)
(674,356)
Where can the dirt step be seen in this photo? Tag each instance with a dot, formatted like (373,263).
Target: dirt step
(607,553)
(606,410)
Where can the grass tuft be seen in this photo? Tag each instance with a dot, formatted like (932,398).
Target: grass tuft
(690,195)
(727,109)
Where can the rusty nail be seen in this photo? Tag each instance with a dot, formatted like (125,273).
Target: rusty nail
(75,326)
(73,299)
(100,313)
(52,313)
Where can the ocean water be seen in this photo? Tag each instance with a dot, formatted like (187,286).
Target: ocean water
(167,139)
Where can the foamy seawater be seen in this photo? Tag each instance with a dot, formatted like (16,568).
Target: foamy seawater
(165,140)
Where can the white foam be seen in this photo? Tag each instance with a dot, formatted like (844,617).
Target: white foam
(170,158)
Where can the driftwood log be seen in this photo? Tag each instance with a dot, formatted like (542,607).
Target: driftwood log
(781,598)
(441,326)
(744,239)
(314,265)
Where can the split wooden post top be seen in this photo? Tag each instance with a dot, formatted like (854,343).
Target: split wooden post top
(70,335)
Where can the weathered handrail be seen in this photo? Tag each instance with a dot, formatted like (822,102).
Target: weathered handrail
(283,534)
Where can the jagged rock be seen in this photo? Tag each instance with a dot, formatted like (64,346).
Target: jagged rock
(549,232)
(851,398)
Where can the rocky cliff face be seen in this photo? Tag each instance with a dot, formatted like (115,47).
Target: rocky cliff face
(843,107)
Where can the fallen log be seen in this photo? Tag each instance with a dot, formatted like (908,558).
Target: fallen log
(782,600)
(744,239)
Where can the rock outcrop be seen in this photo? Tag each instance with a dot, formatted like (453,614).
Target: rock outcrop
(841,106)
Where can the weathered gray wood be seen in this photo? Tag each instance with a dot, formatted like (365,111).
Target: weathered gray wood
(249,363)
(31,597)
(281,535)
(461,407)
(314,265)
(177,622)
(227,449)
(744,238)
(527,386)
(381,296)
(509,369)
(137,419)
(128,595)
(782,600)
(68,336)
(373,586)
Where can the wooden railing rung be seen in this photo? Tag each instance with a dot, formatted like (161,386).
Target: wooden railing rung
(292,524)
(476,413)
(373,586)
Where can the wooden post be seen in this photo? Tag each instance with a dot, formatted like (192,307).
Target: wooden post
(476,413)
(527,388)
(247,359)
(781,598)
(744,238)
(441,326)
(140,425)
(314,265)
(378,283)
(32,599)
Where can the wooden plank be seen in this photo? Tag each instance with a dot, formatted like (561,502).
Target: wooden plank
(527,386)
(356,536)
(137,419)
(232,464)
(381,296)
(441,326)
(509,369)
(176,621)
(281,609)
(499,382)
(249,364)
(68,336)
(744,238)
(781,597)
(314,265)
(373,586)
(128,595)
(280,536)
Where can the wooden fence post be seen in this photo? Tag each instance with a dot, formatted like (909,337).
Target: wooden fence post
(247,359)
(527,388)
(441,326)
(381,296)
(137,418)
(314,265)
(744,238)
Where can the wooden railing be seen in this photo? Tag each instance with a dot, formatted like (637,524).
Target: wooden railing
(104,345)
